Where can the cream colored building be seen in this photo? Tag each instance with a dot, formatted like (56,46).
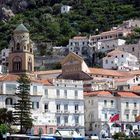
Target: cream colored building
(101,105)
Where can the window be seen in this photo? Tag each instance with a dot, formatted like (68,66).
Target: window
(135,115)
(122,55)
(127,116)
(30,64)
(58,107)
(10,88)
(76,107)
(46,107)
(135,104)
(127,104)
(35,90)
(65,94)
(106,61)
(35,105)
(50,130)
(17,64)
(58,93)
(76,119)
(66,107)
(58,120)
(112,102)
(76,94)
(105,116)
(133,49)
(9,101)
(46,93)
(65,119)
(105,102)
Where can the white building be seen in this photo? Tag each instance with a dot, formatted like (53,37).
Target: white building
(112,34)
(78,44)
(108,45)
(101,105)
(131,48)
(65,9)
(120,60)
(4,56)
(57,104)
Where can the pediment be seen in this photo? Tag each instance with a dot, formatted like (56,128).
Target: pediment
(71,58)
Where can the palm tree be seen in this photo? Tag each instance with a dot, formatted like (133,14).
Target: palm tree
(6,116)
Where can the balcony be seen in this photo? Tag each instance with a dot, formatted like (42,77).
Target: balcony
(127,111)
(59,111)
(135,111)
(66,112)
(46,110)
(77,112)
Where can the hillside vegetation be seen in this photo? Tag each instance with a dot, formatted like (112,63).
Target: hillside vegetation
(46,23)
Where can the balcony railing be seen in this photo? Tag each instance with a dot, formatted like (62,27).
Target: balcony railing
(127,111)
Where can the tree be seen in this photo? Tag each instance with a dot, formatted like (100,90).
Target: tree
(6,117)
(22,111)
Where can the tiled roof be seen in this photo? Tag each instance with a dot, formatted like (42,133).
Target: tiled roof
(9,77)
(12,77)
(106,72)
(98,93)
(116,52)
(109,94)
(46,82)
(128,94)
(48,72)
(125,79)
(135,88)
(79,37)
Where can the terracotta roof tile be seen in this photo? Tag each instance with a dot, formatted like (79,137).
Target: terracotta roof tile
(128,94)
(48,72)
(98,93)
(46,82)
(116,52)
(9,77)
(106,72)
(79,37)
(135,88)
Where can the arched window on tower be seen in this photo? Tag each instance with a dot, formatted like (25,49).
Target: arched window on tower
(18,46)
(30,64)
(17,64)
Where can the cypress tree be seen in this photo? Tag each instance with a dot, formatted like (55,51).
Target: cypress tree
(22,113)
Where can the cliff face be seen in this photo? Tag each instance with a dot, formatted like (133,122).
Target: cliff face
(9,7)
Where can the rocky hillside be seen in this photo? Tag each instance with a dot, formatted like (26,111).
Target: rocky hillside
(46,23)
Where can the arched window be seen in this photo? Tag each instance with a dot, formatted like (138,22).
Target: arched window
(30,64)
(18,46)
(17,64)
(31,50)
(9,101)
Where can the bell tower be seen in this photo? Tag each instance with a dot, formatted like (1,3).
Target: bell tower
(21,57)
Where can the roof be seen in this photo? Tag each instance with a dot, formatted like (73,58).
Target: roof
(72,55)
(124,79)
(135,88)
(9,77)
(116,52)
(12,77)
(127,94)
(98,93)
(48,72)
(110,94)
(107,72)
(79,37)
(46,82)
(21,28)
